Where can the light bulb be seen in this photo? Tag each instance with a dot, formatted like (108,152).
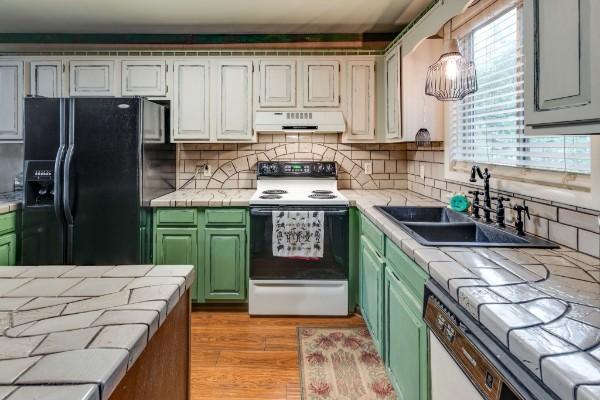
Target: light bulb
(451,68)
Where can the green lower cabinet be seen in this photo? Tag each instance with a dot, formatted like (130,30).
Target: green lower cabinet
(177,246)
(8,249)
(405,333)
(224,263)
(371,267)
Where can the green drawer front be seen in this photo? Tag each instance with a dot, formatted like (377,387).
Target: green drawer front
(173,216)
(225,216)
(373,234)
(8,222)
(407,270)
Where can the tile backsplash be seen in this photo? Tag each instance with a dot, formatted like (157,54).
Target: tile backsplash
(571,226)
(234,165)
(395,166)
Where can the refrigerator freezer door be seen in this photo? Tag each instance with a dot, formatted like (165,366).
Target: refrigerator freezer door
(103,181)
(42,235)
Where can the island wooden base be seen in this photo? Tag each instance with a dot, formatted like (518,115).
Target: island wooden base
(163,369)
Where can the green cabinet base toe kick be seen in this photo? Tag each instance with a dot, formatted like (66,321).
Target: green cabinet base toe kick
(390,297)
(214,241)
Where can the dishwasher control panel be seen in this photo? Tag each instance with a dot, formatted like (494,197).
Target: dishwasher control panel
(486,378)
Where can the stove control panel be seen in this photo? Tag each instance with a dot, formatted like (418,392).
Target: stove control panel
(310,169)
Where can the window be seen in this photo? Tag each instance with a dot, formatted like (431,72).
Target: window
(488,126)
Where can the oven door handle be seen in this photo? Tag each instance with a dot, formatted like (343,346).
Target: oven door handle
(269,211)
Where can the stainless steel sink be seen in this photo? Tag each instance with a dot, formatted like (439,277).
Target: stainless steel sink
(441,226)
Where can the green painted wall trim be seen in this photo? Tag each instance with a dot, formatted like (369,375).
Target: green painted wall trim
(189,39)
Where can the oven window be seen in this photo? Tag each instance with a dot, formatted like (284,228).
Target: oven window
(332,266)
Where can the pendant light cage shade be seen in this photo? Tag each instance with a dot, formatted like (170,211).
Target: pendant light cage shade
(452,77)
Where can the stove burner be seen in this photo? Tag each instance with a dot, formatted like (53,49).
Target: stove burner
(322,192)
(322,196)
(270,196)
(275,191)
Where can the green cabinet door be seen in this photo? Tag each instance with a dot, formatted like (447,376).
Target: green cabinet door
(225,263)
(405,334)
(8,249)
(371,289)
(177,246)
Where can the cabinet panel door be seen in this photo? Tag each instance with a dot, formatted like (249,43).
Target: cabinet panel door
(561,83)
(8,249)
(143,78)
(11,100)
(277,83)
(234,100)
(46,78)
(405,340)
(361,100)
(225,263)
(191,101)
(392,94)
(177,246)
(321,83)
(92,78)
(371,289)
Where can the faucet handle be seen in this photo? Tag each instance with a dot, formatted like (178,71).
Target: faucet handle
(520,209)
(501,199)
(475,193)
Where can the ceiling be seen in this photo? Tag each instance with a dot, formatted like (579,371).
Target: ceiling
(206,16)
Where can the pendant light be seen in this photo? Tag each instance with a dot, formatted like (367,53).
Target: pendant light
(452,77)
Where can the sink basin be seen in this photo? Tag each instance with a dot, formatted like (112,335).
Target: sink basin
(440,226)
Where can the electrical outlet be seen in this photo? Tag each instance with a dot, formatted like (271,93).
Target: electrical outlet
(368,165)
(207,170)
(422,171)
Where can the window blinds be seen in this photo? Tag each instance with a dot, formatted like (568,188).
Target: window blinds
(488,126)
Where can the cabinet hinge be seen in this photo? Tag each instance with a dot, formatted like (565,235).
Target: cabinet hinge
(339,67)
(340,99)
(258,99)
(63,67)
(167,88)
(167,68)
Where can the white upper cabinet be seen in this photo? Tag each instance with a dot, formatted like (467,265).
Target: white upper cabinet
(191,101)
(233,100)
(277,83)
(562,54)
(321,83)
(393,113)
(92,78)
(11,100)
(143,78)
(418,109)
(46,78)
(360,113)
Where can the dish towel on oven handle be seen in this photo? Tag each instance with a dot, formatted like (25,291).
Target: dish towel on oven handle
(298,234)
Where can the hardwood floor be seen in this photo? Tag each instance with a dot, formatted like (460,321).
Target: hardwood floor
(235,356)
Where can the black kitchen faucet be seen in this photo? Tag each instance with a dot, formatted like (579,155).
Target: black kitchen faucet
(487,199)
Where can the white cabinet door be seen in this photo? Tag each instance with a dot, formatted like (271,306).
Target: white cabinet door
(321,83)
(562,84)
(361,100)
(143,78)
(191,101)
(46,78)
(233,96)
(277,83)
(92,78)
(11,100)
(392,94)
(418,109)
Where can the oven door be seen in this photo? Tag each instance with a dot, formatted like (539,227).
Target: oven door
(332,266)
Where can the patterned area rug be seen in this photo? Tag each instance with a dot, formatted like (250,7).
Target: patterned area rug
(340,364)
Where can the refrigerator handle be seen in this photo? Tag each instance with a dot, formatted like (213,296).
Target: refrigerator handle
(67,167)
(57,164)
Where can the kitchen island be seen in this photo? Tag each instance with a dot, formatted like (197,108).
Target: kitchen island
(95,332)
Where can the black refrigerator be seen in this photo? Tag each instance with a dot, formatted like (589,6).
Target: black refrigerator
(92,166)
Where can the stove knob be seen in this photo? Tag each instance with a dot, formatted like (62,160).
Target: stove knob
(330,168)
(264,169)
(274,169)
(319,168)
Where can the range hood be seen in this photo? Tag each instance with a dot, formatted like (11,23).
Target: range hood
(299,122)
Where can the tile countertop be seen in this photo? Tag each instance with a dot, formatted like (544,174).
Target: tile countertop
(543,305)
(79,329)
(10,201)
(205,198)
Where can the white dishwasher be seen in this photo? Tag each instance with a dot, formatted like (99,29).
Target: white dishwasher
(448,382)
(467,362)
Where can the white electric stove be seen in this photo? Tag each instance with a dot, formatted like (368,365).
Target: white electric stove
(298,285)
